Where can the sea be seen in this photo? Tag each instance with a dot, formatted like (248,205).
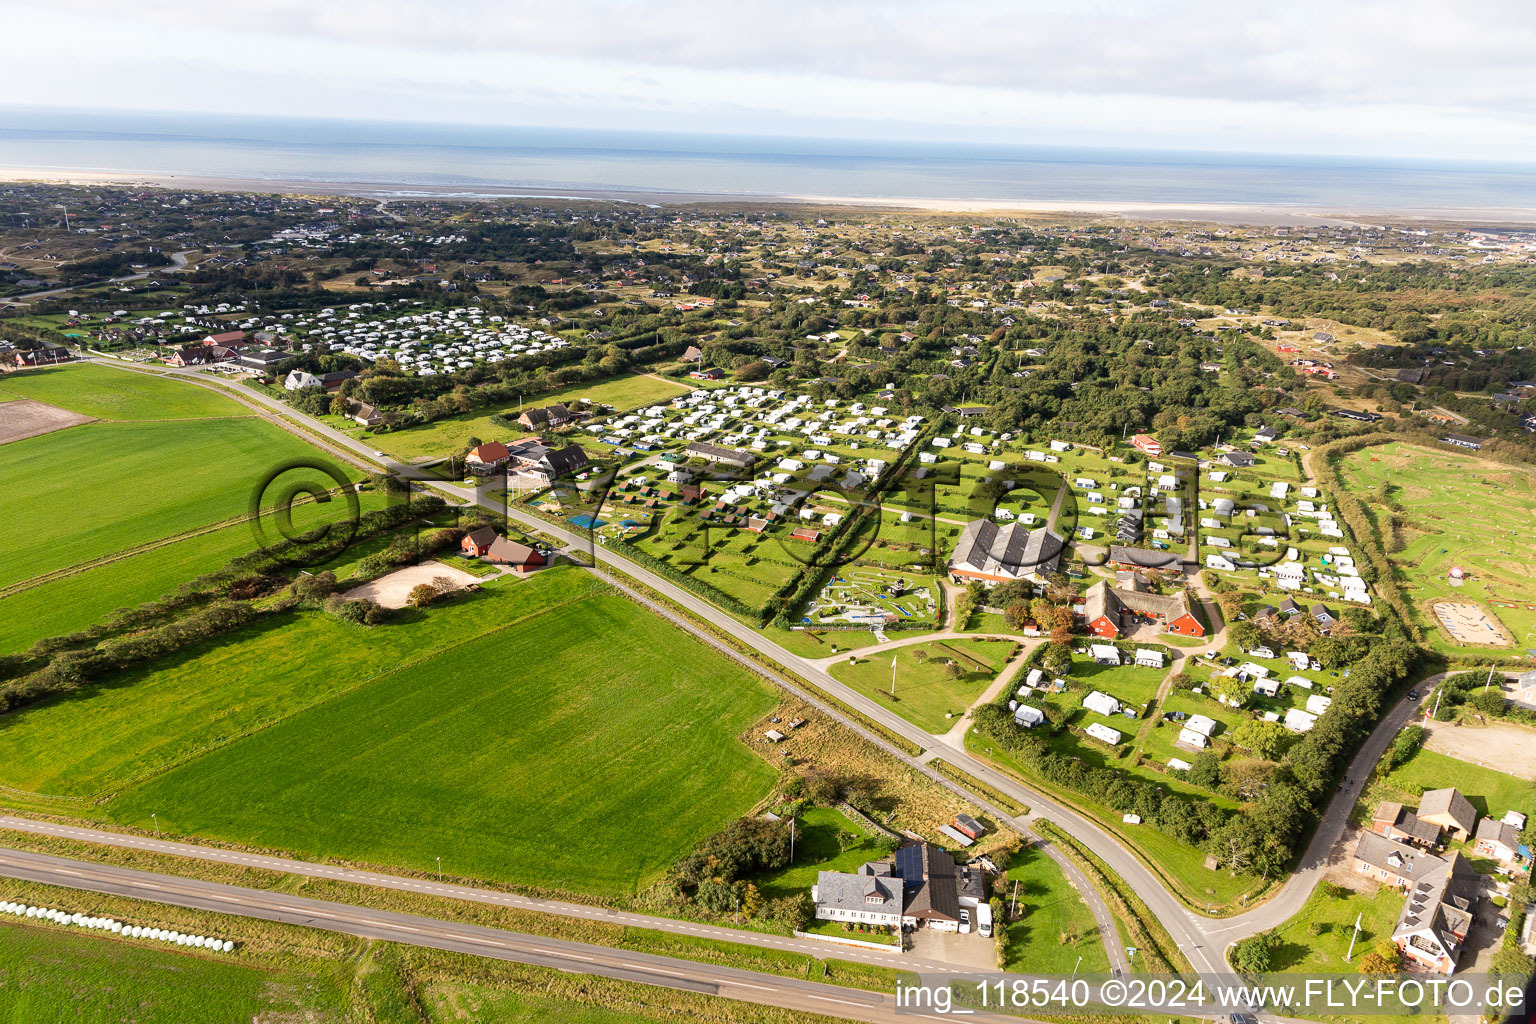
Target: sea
(398,159)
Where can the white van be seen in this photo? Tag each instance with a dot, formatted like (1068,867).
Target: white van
(984,920)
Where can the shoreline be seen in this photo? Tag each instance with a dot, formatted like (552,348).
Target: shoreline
(1258,214)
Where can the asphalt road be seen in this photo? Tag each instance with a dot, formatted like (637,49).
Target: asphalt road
(1202,940)
(450,890)
(495,943)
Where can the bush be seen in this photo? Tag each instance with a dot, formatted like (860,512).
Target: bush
(421,595)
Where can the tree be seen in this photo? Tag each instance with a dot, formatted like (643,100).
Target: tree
(1266,739)
(421,595)
(1230,690)
(1245,634)
(443,585)
(1057,659)
(1490,703)
(1018,615)
(1206,770)
(1255,954)
(1231,604)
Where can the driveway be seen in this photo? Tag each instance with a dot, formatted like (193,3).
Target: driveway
(953,948)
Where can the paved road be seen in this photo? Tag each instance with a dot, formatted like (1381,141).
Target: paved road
(472,894)
(495,943)
(1202,940)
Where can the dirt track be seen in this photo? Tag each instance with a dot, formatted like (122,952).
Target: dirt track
(391,591)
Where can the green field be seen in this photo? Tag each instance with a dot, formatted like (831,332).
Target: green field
(93,490)
(537,753)
(49,976)
(448,435)
(925,691)
(72,602)
(111,394)
(1057,926)
(1456,510)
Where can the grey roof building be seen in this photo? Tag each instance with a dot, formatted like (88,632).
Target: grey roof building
(997,554)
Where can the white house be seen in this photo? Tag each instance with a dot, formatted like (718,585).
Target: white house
(1266,687)
(1189,738)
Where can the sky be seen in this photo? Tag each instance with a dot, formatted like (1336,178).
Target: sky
(1389,78)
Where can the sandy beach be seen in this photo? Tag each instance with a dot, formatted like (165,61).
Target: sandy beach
(1216,213)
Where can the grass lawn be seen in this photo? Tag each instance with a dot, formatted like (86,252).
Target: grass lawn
(1127,683)
(816,850)
(49,976)
(1490,792)
(1317,938)
(111,394)
(452,433)
(1458,510)
(68,603)
(585,748)
(925,691)
(97,489)
(1057,926)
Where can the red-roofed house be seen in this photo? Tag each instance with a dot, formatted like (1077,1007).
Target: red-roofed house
(487,457)
(229,339)
(1148,444)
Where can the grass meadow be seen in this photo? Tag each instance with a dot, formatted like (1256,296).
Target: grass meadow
(535,753)
(1456,510)
(70,602)
(111,394)
(1057,926)
(100,488)
(50,976)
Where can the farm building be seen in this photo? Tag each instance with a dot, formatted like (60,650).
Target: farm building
(519,557)
(1105,609)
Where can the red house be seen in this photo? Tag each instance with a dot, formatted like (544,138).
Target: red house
(1148,444)
(477,543)
(805,533)
(1105,610)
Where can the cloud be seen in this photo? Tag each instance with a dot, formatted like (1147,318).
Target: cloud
(1374,75)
